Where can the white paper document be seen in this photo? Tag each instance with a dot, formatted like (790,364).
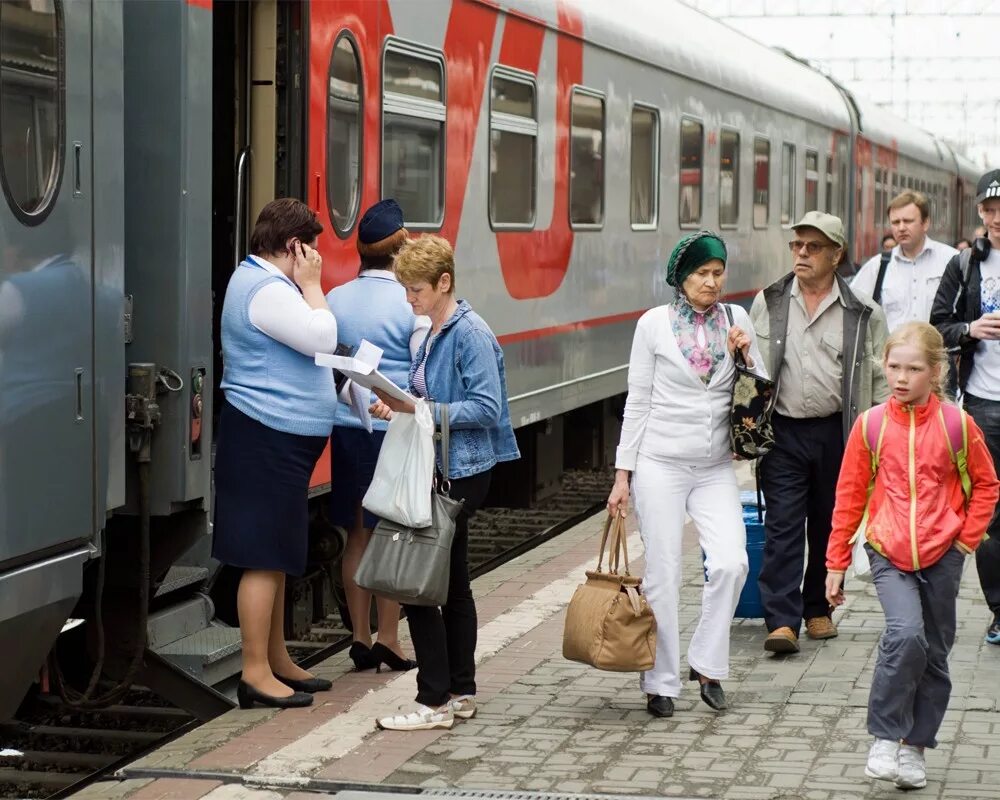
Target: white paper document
(363,373)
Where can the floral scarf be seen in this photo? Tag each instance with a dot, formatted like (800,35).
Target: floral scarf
(701,337)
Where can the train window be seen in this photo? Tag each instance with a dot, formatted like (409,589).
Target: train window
(761,181)
(829,183)
(586,159)
(32,76)
(787,183)
(343,135)
(812,180)
(879,199)
(692,145)
(729,178)
(645,167)
(843,193)
(513,149)
(413,119)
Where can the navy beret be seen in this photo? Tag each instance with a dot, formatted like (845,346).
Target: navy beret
(380,221)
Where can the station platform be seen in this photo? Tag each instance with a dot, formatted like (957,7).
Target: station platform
(795,729)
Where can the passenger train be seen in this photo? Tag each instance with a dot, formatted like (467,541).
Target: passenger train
(563,146)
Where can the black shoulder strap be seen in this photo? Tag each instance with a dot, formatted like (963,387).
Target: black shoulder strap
(729,314)
(964,268)
(882,267)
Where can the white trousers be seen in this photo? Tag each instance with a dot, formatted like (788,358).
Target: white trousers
(664,493)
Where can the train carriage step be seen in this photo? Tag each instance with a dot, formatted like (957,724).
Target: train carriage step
(179,577)
(210,655)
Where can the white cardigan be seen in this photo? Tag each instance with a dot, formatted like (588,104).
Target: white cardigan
(670,413)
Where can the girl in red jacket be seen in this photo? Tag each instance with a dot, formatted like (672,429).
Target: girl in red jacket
(925,514)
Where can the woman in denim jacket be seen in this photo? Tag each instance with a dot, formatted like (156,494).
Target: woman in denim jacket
(459,364)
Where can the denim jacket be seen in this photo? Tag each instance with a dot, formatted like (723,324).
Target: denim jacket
(465,370)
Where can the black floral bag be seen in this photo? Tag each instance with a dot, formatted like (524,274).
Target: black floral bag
(750,428)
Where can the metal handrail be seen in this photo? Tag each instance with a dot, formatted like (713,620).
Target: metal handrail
(242,172)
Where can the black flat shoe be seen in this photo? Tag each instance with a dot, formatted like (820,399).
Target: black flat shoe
(660,706)
(247,696)
(383,655)
(711,692)
(309,685)
(362,657)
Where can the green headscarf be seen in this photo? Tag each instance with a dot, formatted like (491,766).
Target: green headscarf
(691,252)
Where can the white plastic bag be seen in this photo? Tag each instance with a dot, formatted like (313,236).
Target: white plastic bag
(401,486)
(861,567)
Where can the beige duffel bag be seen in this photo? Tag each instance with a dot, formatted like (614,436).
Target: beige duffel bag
(609,625)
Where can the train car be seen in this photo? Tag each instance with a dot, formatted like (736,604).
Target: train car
(563,147)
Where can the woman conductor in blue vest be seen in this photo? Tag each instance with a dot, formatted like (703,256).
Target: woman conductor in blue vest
(273,427)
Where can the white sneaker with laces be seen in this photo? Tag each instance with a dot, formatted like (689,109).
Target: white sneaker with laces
(464,706)
(423,719)
(912,768)
(883,760)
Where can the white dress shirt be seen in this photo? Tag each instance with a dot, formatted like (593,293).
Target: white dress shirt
(910,284)
(279,310)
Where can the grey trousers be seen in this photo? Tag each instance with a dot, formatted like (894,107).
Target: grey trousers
(911,686)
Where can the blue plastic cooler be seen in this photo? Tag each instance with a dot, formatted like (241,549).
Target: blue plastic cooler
(750,606)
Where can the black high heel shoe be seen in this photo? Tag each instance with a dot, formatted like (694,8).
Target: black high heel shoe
(362,657)
(711,692)
(309,685)
(383,655)
(246,695)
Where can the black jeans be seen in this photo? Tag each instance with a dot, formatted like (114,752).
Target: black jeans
(799,480)
(986,413)
(444,639)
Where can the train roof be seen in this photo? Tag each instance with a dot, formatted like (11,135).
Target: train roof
(888,130)
(675,37)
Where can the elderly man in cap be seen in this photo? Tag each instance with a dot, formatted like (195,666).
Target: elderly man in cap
(823,343)
(372,307)
(967,313)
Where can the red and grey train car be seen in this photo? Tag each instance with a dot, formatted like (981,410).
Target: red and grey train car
(563,147)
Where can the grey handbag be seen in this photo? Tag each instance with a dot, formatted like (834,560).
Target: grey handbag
(411,565)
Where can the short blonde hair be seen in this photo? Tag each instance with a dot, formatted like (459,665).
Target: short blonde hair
(928,339)
(919,199)
(425,259)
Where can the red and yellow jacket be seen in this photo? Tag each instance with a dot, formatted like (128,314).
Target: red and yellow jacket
(918,509)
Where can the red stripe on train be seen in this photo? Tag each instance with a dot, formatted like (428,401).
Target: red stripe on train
(206,4)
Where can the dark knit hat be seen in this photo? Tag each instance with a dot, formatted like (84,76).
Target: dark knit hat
(381,230)
(691,252)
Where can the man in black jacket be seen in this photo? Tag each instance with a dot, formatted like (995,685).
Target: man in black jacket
(966,311)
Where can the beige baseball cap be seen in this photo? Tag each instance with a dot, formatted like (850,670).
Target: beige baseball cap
(827,224)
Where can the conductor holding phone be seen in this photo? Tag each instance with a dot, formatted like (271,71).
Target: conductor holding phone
(273,427)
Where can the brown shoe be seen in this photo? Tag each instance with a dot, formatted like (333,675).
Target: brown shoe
(821,628)
(782,640)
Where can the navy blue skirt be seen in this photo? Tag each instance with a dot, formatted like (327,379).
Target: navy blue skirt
(353,456)
(262,494)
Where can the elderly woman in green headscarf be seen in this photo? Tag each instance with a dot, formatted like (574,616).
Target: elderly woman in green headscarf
(675,448)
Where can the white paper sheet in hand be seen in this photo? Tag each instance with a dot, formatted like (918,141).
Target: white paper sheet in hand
(363,374)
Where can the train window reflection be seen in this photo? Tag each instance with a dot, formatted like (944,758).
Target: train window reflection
(586,160)
(413,120)
(513,150)
(343,135)
(692,143)
(31,104)
(645,156)
(761,181)
(829,183)
(729,178)
(812,180)
(787,183)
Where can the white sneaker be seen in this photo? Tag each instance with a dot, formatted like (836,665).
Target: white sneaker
(423,719)
(912,768)
(464,706)
(883,760)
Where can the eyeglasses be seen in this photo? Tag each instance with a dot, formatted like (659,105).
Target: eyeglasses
(812,248)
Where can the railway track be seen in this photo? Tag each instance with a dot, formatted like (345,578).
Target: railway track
(52,750)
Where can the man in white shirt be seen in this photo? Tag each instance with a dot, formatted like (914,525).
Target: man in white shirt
(912,270)
(967,312)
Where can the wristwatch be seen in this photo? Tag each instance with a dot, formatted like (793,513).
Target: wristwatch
(966,328)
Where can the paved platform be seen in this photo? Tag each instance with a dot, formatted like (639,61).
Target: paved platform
(795,729)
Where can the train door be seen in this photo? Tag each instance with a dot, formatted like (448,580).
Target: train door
(258,137)
(46,290)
